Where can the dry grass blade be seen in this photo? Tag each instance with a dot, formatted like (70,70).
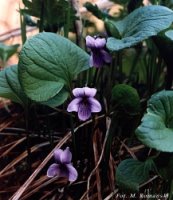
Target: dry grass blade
(17,160)
(36,183)
(96,139)
(110,196)
(128,149)
(61,181)
(9,190)
(47,194)
(9,122)
(150,180)
(137,148)
(98,163)
(22,156)
(9,173)
(83,197)
(111,174)
(6,145)
(22,189)
(13,146)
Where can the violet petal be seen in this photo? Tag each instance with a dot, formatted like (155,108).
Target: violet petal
(106,56)
(57,155)
(66,156)
(100,42)
(73,174)
(78,92)
(90,92)
(91,61)
(97,59)
(90,42)
(84,111)
(74,105)
(58,170)
(95,105)
(53,170)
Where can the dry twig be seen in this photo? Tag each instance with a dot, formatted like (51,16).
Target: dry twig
(99,161)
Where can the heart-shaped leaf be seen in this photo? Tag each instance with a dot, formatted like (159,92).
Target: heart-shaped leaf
(156,129)
(10,87)
(139,25)
(57,100)
(48,63)
(169,34)
(131,173)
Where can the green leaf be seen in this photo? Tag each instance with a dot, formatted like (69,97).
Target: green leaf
(169,34)
(113,130)
(111,28)
(95,10)
(126,98)
(126,106)
(156,129)
(10,87)
(7,51)
(131,173)
(48,63)
(57,100)
(139,25)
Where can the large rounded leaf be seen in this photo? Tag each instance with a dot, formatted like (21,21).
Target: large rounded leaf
(169,34)
(156,129)
(131,173)
(47,63)
(57,100)
(10,87)
(142,23)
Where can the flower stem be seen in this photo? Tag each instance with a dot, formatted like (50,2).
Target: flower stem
(23,27)
(28,138)
(171,190)
(67,24)
(41,24)
(73,140)
(95,76)
(89,76)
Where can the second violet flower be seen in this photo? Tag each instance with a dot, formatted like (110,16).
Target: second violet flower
(84,103)
(99,55)
(62,166)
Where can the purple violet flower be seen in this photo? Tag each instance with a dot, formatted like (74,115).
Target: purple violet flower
(63,166)
(84,103)
(98,54)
